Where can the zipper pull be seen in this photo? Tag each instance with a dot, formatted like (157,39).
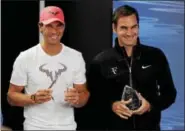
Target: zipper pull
(130,70)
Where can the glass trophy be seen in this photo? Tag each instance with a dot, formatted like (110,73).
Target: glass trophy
(128,93)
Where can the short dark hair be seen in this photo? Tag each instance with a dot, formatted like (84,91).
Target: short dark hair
(124,10)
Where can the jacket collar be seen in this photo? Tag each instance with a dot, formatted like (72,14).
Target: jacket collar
(136,49)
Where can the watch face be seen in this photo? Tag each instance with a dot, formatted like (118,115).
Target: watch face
(33,97)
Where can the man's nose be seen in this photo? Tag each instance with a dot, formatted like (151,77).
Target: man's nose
(54,30)
(129,32)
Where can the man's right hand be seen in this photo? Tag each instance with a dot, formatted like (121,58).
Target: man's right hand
(120,108)
(43,95)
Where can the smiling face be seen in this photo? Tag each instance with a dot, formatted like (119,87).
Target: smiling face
(127,30)
(52,32)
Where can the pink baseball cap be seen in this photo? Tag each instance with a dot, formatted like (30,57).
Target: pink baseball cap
(50,14)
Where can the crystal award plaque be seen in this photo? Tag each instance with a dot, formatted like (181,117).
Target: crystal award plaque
(128,93)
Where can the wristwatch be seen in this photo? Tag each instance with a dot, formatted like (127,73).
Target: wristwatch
(33,97)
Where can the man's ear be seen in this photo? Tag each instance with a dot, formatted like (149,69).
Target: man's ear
(114,28)
(40,25)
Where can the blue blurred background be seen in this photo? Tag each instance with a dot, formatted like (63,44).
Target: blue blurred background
(162,26)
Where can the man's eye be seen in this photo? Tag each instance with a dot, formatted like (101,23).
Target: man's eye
(134,27)
(124,28)
(49,26)
(59,26)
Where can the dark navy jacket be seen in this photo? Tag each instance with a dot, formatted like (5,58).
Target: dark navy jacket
(151,76)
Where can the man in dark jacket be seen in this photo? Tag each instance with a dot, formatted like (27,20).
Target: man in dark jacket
(142,67)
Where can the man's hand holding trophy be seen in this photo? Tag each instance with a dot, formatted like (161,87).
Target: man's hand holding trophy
(132,103)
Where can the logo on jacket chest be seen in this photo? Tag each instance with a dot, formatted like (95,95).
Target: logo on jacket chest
(145,66)
(114,70)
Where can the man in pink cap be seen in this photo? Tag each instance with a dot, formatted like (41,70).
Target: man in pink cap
(53,77)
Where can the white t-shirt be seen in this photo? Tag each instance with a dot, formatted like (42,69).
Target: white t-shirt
(36,70)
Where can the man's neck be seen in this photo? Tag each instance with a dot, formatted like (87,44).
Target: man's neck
(51,49)
(128,50)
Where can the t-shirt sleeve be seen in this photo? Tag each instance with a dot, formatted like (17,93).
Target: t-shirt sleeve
(19,75)
(79,75)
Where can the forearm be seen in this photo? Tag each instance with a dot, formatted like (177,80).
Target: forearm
(166,88)
(165,98)
(162,102)
(83,98)
(19,99)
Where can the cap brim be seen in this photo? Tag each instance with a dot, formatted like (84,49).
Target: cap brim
(52,20)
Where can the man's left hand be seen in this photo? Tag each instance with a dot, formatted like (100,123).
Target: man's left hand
(72,96)
(145,106)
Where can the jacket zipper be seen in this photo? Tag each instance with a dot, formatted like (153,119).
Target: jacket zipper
(131,81)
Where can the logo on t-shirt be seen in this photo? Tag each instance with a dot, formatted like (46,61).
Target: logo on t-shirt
(57,72)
